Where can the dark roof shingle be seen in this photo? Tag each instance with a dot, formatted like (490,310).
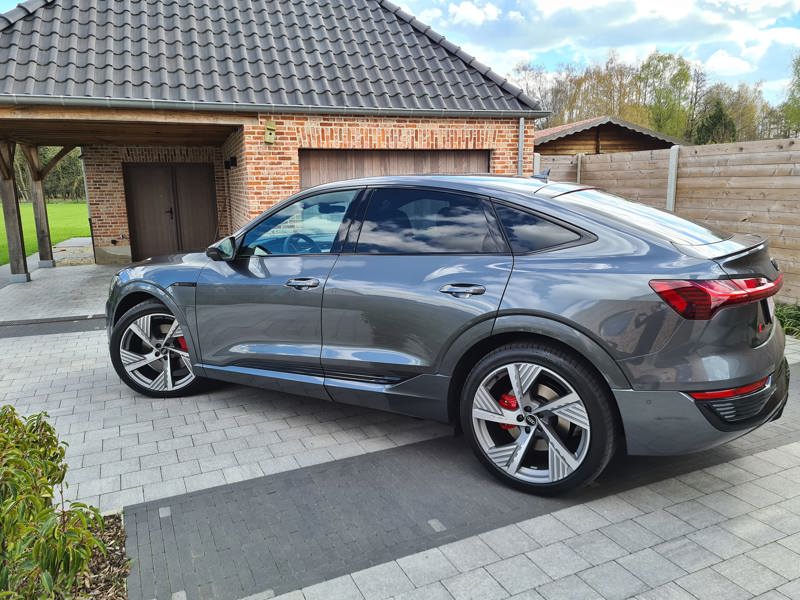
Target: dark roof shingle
(356,56)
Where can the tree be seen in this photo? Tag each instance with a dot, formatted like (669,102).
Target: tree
(665,87)
(716,126)
(791,108)
(63,182)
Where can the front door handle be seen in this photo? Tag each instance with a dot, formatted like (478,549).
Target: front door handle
(303,283)
(462,290)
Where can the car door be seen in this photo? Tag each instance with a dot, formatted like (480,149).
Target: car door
(428,265)
(258,316)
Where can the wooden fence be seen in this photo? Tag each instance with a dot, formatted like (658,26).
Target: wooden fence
(748,187)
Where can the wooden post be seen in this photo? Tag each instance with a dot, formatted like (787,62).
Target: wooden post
(672,177)
(8,195)
(38,173)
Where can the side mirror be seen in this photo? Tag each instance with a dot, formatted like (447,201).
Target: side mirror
(223,250)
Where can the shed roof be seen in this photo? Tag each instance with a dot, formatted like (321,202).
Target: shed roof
(559,131)
(321,56)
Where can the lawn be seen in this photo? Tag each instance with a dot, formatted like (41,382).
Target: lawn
(67,220)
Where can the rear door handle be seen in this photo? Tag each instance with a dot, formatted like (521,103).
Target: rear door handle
(462,290)
(303,283)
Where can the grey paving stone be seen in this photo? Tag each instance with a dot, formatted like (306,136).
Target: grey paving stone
(614,509)
(754,494)
(528,595)
(730,473)
(687,554)
(696,514)
(581,518)
(558,560)
(517,574)
(726,504)
(791,590)
(433,591)
(115,501)
(508,541)
(164,489)
(546,529)
(664,524)
(645,499)
(382,581)
(240,473)
(595,547)
(343,588)
(704,482)
(757,466)
(631,536)
(780,484)
(669,591)
(675,490)
(474,585)
(184,469)
(469,554)
(792,542)
(721,542)
(710,585)
(778,558)
(749,574)
(144,477)
(613,582)
(651,567)
(752,530)
(568,588)
(426,567)
(204,481)
(778,517)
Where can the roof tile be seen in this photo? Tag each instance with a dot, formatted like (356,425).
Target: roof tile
(327,54)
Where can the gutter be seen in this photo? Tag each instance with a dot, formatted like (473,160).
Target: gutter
(88,102)
(520,146)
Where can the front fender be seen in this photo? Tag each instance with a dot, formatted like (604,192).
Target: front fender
(178,298)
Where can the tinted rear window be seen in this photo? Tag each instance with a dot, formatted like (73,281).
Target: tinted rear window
(418,221)
(528,233)
(659,222)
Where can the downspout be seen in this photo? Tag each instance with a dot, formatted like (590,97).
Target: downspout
(520,145)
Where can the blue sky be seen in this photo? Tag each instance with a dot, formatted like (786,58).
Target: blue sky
(736,40)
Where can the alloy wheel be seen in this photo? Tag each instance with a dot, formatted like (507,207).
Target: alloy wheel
(531,423)
(154,353)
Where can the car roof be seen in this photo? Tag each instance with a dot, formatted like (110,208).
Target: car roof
(521,188)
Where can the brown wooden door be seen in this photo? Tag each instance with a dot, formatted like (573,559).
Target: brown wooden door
(171,208)
(322,166)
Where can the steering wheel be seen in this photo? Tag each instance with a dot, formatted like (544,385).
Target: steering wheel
(300,243)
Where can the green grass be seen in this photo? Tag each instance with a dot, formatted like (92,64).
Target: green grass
(789,316)
(67,220)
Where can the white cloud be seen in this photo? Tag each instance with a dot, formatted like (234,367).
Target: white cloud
(430,15)
(473,14)
(723,64)
(515,15)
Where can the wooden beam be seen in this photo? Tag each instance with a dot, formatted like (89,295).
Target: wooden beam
(8,195)
(38,173)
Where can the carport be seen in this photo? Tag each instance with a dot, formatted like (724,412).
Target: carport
(32,129)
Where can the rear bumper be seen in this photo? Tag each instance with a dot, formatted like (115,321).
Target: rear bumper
(668,422)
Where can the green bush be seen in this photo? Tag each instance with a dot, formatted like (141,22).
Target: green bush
(789,316)
(44,547)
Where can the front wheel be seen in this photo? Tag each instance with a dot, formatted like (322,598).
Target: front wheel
(538,418)
(150,353)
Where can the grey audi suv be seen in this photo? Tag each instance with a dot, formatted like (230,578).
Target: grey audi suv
(554,323)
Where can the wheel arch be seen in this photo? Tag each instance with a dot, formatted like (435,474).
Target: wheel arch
(519,328)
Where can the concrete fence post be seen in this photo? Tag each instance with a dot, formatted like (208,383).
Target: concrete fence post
(537,163)
(578,166)
(672,177)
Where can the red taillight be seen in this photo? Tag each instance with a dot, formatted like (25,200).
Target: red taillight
(700,299)
(731,392)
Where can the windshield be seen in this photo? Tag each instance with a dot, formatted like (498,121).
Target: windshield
(660,222)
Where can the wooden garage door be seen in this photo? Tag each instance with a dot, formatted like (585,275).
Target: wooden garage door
(322,166)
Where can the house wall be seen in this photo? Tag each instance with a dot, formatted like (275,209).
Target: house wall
(602,139)
(268,173)
(106,191)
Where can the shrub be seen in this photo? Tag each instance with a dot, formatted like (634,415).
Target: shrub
(44,548)
(789,316)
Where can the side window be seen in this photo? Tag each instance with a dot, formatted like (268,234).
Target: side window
(528,233)
(417,221)
(308,226)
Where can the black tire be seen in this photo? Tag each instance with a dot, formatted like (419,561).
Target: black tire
(590,387)
(195,386)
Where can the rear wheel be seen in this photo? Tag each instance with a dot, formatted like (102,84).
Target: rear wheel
(538,418)
(150,353)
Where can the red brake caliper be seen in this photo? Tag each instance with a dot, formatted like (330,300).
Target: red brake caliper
(182,343)
(509,402)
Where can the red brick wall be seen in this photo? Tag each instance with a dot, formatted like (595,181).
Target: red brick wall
(268,173)
(106,189)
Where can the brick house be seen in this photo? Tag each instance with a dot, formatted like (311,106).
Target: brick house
(194,117)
